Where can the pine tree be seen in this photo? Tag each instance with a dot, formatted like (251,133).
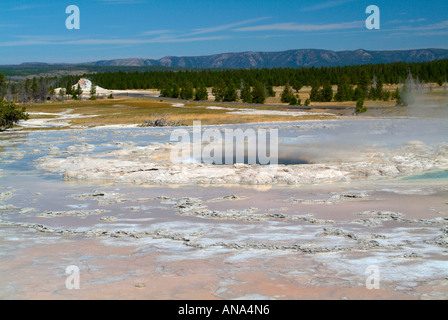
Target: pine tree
(26,94)
(76,94)
(175,91)
(397,96)
(363,85)
(166,91)
(246,93)
(219,90)
(42,89)
(10,114)
(62,94)
(79,91)
(379,89)
(258,93)
(201,93)
(316,93)
(187,92)
(68,88)
(269,91)
(345,90)
(360,108)
(358,94)
(297,85)
(34,89)
(293,101)
(93,92)
(287,94)
(2,85)
(52,93)
(230,93)
(327,92)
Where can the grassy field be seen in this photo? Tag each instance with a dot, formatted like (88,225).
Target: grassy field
(125,110)
(432,91)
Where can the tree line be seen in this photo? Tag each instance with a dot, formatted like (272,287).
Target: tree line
(41,89)
(392,73)
(254,85)
(30,90)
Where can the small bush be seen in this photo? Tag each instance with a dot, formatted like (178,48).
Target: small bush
(10,114)
(293,101)
(360,108)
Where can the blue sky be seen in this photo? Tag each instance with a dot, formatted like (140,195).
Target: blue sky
(35,31)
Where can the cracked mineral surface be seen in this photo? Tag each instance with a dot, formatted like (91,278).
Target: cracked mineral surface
(110,201)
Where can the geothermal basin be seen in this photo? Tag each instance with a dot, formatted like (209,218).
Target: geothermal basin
(347,196)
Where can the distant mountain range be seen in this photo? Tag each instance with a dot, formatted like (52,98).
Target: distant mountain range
(282,59)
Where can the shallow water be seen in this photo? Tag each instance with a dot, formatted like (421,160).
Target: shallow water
(443,174)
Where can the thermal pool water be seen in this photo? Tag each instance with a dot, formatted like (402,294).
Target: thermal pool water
(347,195)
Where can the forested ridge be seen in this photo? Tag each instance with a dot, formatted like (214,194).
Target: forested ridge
(392,73)
(254,84)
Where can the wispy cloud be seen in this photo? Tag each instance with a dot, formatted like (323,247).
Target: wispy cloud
(172,36)
(140,41)
(156,32)
(121,1)
(404,30)
(432,33)
(290,26)
(144,37)
(405,21)
(48,40)
(225,26)
(29,40)
(9,25)
(430,27)
(25,7)
(326,5)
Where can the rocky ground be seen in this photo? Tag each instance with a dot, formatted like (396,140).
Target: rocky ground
(151,164)
(139,227)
